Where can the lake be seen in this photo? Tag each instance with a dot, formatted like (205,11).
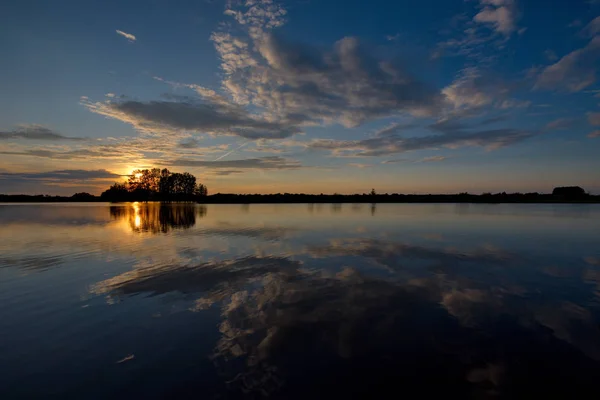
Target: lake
(299,301)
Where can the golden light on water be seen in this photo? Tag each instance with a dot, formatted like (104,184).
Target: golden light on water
(137,219)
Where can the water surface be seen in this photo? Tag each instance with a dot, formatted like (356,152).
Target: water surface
(299,301)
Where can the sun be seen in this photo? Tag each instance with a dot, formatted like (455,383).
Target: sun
(138,175)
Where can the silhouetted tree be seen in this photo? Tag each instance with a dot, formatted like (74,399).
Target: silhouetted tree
(569,192)
(157,184)
(117,192)
(201,190)
(83,196)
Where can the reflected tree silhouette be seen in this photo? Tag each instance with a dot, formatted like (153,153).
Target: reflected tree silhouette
(158,217)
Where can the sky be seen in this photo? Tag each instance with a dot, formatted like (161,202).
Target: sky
(268,96)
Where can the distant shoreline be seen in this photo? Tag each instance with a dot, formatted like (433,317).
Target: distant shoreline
(499,198)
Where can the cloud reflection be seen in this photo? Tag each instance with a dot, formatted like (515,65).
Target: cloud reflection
(443,315)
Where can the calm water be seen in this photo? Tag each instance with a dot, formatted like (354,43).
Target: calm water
(299,301)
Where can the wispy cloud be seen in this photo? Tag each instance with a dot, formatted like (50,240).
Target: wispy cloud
(63,175)
(34,132)
(454,137)
(60,181)
(359,165)
(499,14)
(249,163)
(206,115)
(592,28)
(594,120)
(433,159)
(574,72)
(126,35)
(561,123)
(395,161)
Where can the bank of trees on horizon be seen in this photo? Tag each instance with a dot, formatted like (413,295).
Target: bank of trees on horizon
(178,187)
(156,185)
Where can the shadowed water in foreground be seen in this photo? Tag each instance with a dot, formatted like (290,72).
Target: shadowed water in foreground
(299,301)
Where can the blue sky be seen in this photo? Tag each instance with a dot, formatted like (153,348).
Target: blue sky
(263,96)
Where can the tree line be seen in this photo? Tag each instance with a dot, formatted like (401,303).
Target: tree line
(173,190)
(156,185)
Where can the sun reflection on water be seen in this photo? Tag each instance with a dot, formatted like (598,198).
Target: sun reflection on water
(137,218)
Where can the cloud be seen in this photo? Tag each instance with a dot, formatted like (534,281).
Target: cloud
(550,55)
(573,72)
(249,163)
(593,28)
(191,143)
(468,90)
(433,159)
(513,103)
(261,14)
(212,115)
(499,14)
(561,123)
(63,175)
(34,132)
(128,36)
(58,181)
(473,90)
(309,85)
(100,152)
(225,172)
(359,165)
(395,161)
(594,120)
(274,88)
(452,138)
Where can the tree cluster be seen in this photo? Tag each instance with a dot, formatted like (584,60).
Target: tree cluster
(156,185)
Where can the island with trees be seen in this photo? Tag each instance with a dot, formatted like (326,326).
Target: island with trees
(156,185)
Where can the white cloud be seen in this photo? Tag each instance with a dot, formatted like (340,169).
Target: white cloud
(473,89)
(500,14)
(573,72)
(128,36)
(260,14)
(467,91)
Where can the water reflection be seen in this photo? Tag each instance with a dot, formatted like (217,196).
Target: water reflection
(403,317)
(300,301)
(158,217)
